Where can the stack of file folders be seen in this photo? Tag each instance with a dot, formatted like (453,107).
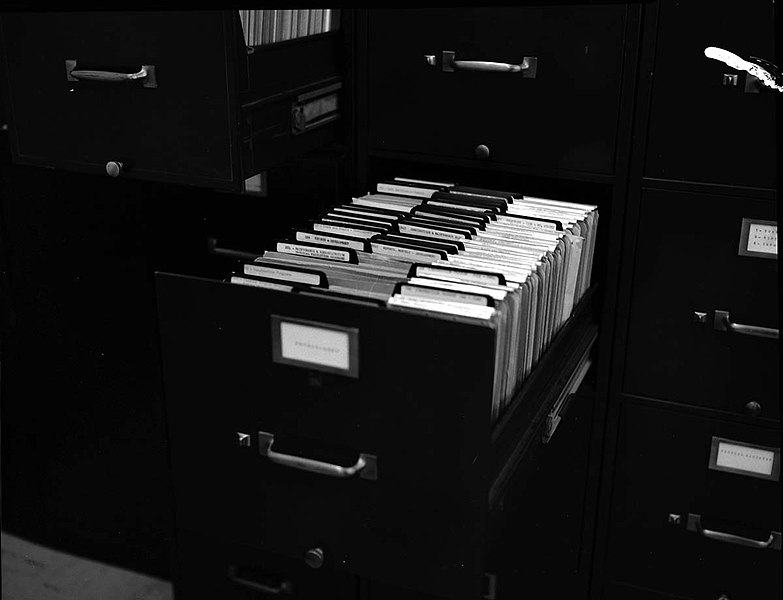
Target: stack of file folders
(516,263)
(269,26)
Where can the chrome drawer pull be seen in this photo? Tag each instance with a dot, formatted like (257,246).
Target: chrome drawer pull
(694,524)
(285,586)
(365,467)
(147,73)
(449,64)
(723,323)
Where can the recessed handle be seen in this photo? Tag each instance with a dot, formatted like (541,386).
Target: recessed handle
(694,524)
(284,587)
(723,322)
(365,467)
(146,73)
(449,63)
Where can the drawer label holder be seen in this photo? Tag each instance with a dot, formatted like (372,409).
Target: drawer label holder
(759,238)
(312,345)
(746,459)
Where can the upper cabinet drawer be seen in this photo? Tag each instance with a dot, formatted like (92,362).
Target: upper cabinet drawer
(172,96)
(175,123)
(704,125)
(558,114)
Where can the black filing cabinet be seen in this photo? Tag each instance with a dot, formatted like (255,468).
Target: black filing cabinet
(695,496)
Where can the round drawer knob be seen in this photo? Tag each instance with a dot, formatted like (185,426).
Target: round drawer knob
(482,151)
(753,408)
(113,168)
(314,558)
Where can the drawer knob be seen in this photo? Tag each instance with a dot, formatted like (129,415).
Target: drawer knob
(482,151)
(753,408)
(113,168)
(314,558)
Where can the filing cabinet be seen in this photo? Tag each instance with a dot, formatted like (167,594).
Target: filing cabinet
(685,528)
(166,96)
(532,86)
(696,356)
(703,126)
(689,264)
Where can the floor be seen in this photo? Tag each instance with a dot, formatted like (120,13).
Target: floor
(33,572)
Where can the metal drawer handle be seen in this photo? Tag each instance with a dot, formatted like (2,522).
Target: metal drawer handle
(365,467)
(147,73)
(694,524)
(449,64)
(723,322)
(285,586)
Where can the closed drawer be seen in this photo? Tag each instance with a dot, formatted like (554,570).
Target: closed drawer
(179,130)
(701,129)
(687,261)
(210,568)
(564,118)
(664,490)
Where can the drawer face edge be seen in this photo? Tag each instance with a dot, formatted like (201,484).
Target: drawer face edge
(688,261)
(419,523)
(565,118)
(667,498)
(180,130)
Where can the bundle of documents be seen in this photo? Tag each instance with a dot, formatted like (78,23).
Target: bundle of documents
(269,26)
(518,264)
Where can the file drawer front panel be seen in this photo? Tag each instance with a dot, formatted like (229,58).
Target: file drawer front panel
(210,568)
(687,261)
(177,131)
(416,405)
(564,118)
(704,126)
(662,471)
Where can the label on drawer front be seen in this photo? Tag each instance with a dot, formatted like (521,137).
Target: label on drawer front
(763,238)
(745,459)
(319,346)
(759,238)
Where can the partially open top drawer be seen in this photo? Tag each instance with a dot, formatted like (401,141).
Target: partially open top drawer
(73,105)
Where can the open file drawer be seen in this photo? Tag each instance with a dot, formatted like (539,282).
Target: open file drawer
(418,413)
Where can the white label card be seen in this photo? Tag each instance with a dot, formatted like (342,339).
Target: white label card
(338,255)
(744,458)
(323,347)
(763,238)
